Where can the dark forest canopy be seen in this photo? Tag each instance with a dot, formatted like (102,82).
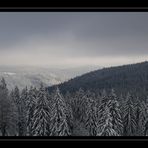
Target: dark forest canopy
(132,77)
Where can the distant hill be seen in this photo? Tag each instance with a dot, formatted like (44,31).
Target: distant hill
(23,76)
(133,78)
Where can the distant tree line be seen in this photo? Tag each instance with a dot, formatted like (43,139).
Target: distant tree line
(38,112)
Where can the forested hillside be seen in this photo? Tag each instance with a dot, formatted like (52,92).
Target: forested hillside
(133,78)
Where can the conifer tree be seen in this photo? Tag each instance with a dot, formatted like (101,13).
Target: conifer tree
(129,120)
(115,113)
(23,108)
(78,105)
(103,103)
(21,115)
(91,117)
(58,121)
(69,112)
(105,126)
(7,116)
(31,104)
(41,114)
(140,118)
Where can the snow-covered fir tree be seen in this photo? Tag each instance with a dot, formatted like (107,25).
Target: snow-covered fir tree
(7,115)
(91,122)
(23,107)
(105,126)
(78,105)
(21,112)
(129,120)
(24,95)
(140,118)
(31,104)
(101,109)
(115,113)
(58,121)
(146,122)
(103,101)
(14,114)
(69,112)
(41,114)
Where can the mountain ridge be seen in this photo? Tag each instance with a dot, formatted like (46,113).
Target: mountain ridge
(124,78)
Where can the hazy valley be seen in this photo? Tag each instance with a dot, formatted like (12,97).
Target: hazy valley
(23,76)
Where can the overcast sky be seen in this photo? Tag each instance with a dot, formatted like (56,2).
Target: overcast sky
(71,39)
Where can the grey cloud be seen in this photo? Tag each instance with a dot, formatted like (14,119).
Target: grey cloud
(73,35)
